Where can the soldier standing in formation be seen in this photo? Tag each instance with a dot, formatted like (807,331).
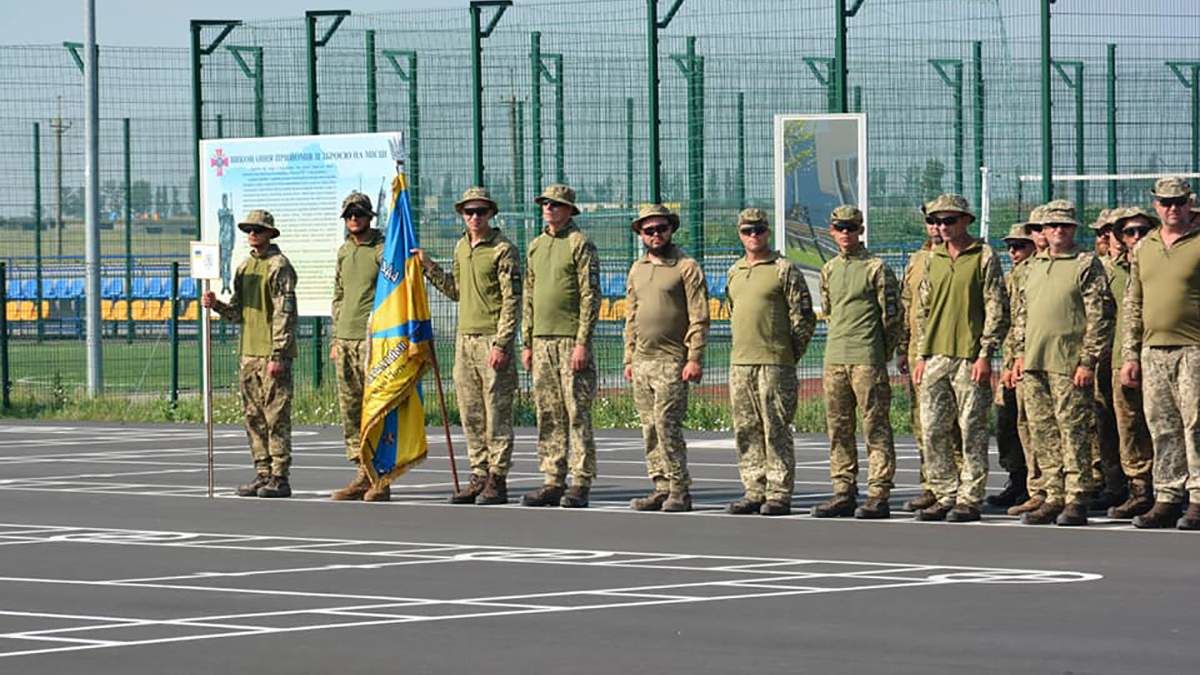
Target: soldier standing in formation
(264,303)
(860,297)
(771,322)
(1012,433)
(1111,488)
(962,317)
(561,308)
(353,299)
(1129,226)
(1161,350)
(485,281)
(666,326)
(1063,321)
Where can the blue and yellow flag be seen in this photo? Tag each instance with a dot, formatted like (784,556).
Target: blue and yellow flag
(393,417)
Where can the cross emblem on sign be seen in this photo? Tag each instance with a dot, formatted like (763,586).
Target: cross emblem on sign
(220,161)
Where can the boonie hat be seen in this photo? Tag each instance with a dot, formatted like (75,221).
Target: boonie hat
(476,193)
(259,218)
(560,194)
(651,210)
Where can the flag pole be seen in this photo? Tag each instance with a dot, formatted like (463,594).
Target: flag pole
(437,377)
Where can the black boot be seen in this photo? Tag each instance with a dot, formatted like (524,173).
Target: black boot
(251,489)
(1013,492)
(276,487)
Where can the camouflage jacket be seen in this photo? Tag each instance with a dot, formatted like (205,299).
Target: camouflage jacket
(783,328)
(1082,324)
(264,302)
(910,285)
(1012,284)
(991,308)
(485,281)
(562,287)
(861,329)
(666,308)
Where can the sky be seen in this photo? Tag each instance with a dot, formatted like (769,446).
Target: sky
(162,23)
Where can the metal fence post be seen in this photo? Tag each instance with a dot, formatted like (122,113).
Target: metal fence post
(1193,84)
(535,107)
(955,82)
(840,75)
(630,243)
(5,382)
(372,113)
(653,25)
(692,68)
(478,35)
(1047,133)
(409,77)
(255,74)
(978,112)
(312,43)
(1075,84)
(739,181)
(317,325)
(1110,118)
(129,327)
(173,333)
(37,225)
(197,51)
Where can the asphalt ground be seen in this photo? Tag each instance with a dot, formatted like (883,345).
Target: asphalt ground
(112,560)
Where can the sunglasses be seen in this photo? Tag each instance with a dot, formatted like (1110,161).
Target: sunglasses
(477,211)
(1137,231)
(655,230)
(948,220)
(356,214)
(1056,226)
(1021,246)
(553,205)
(845,227)
(753,230)
(256,229)
(1034,228)
(1168,202)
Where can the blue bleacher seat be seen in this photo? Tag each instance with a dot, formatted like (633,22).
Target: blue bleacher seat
(187,288)
(111,288)
(75,290)
(141,288)
(28,289)
(12,289)
(160,288)
(717,283)
(612,285)
(60,290)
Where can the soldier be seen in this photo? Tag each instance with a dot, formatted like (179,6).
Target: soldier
(914,272)
(485,281)
(353,299)
(561,308)
(860,297)
(771,321)
(264,302)
(1012,438)
(1063,321)
(962,317)
(1130,226)
(666,326)
(1161,349)
(1107,476)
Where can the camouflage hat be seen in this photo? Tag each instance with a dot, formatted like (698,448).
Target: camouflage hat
(949,202)
(1171,186)
(652,210)
(846,214)
(752,215)
(1120,216)
(1055,211)
(560,194)
(1018,233)
(259,218)
(1103,219)
(475,194)
(357,200)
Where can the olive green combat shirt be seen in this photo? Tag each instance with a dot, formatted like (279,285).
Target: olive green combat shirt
(771,316)
(264,302)
(666,308)
(1012,284)
(485,281)
(861,299)
(962,306)
(910,284)
(1162,303)
(1118,282)
(562,287)
(354,285)
(1064,314)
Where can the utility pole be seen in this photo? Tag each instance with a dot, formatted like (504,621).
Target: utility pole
(60,127)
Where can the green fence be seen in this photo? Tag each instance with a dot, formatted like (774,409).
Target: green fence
(948,86)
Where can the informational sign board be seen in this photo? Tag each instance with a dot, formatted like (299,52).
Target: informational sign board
(301,180)
(820,163)
(205,260)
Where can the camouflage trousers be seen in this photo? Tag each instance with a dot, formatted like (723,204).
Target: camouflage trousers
(851,388)
(1137,453)
(948,395)
(350,366)
(763,401)
(1061,423)
(485,404)
(1011,430)
(267,403)
(1106,452)
(914,415)
(661,399)
(563,399)
(1170,392)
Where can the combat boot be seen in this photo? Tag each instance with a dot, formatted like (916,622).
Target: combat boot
(1108,499)
(547,495)
(576,497)
(251,489)
(876,508)
(1073,514)
(1191,519)
(678,501)
(1013,493)
(494,492)
(963,513)
(1028,506)
(651,502)
(1164,514)
(1138,503)
(775,507)
(1044,515)
(355,489)
(468,494)
(276,487)
(744,506)
(935,512)
(378,494)
(922,501)
(838,506)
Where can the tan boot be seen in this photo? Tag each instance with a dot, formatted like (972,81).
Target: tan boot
(468,494)
(678,501)
(1028,506)
(922,501)
(1140,501)
(382,493)
(355,489)
(651,502)
(495,492)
